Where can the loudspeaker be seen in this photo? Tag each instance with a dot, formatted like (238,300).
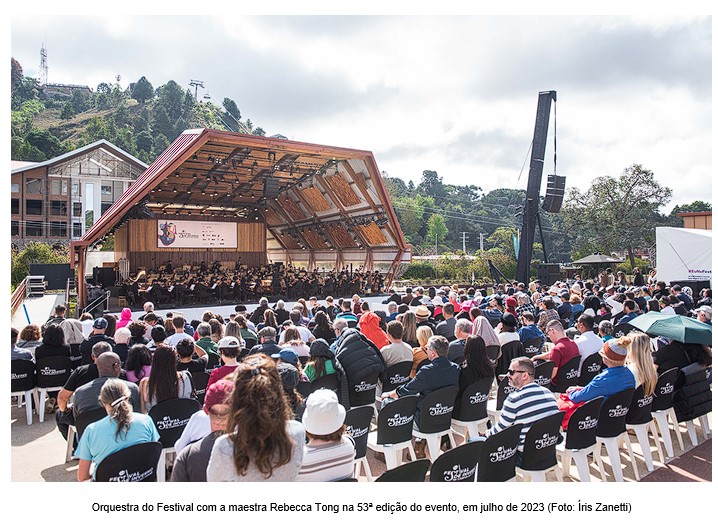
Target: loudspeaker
(271,187)
(555,187)
(104,276)
(548,273)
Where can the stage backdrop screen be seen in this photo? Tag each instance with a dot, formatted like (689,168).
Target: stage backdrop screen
(175,234)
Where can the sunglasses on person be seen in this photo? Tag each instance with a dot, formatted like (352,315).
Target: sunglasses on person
(512,371)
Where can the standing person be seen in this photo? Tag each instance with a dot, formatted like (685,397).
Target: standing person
(328,453)
(191,462)
(121,428)
(563,350)
(164,381)
(529,403)
(263,441)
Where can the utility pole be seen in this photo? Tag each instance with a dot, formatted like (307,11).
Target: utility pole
(463,240)
(481,241)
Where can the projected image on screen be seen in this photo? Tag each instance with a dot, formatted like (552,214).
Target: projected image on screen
(177,234)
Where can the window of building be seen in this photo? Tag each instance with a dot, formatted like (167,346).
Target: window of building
(33,185)
(104,206)
(106,190)
(14,187)
(76,189)
(58,208)
(58,187)
(77,209)
(58,229)
(33,207)
(76,230)
(33,228)
(15,228)
(15,206)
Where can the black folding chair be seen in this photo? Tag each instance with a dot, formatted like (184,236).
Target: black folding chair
(457,465)
(539,454)
(82,420)
(328,381)
(22,385)
(357,421)
(136,463)
(51,375)
(170,418)
(393,432)
(363,392)
(662,408)
(509,351)
(542,372)
(532,347)
(590,367)
(580,439)
(470,413)
(397,375)
(199,381)
(413,471)
(640,420)
(611,430)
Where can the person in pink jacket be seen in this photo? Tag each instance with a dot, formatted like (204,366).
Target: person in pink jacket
(125,318)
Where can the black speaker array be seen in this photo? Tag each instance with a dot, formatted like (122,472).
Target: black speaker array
(104,276)
(555,187)
(271,187)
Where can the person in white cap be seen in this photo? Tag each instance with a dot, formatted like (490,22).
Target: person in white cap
(328,453)
(704,313)
(229,350)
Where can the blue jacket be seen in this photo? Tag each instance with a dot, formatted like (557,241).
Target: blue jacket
(530,332)
(610,381)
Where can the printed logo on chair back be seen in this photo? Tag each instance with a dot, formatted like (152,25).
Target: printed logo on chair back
(541,380)
(397,420)
(459,473)
(502,454)
(547,440)
(364,386)
(477,398)
(356,433)
(125,476)
(644,401)
(47,371)
(16,376)
(440,410)
(398,379)
(201,391)
(508,389)
(531,351)
(572,374)
(618,411)
(169,422)
(594,367)
(667,389)
(588,423)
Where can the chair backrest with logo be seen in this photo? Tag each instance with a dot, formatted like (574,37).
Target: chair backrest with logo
(171,416)
(436,410)
(497,455)
(357,421)
(458,464)
(567,375)
(540,443)
(612,419)
(199,382)
(532,347)
(414,471)
(363,391)
(509,351)
(396,420)
(492,351)
(665,388)
(131,464)
(22,375)
(640,410)
(328,381)
(502,391)
(581,431)
(88,417)
(53,371)
(397,375)
(542,372)
(590,367)
(472,402)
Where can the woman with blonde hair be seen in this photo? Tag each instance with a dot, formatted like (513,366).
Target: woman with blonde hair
(640,361)
(408,321)
(121,428)
(423,334)
(263,442)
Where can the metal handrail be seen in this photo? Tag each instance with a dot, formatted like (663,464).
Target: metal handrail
(18,296)
(96,302)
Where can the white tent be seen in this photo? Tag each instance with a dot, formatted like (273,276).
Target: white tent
(683,254)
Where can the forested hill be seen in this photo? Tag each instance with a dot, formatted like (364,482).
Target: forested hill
(435,217)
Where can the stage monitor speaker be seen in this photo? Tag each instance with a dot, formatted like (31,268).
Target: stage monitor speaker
(271,187)
(555,188)
(104,276)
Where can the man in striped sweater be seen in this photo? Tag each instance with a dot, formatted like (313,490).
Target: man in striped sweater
(529,403)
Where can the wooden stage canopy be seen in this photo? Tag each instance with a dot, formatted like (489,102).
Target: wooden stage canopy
(293,202)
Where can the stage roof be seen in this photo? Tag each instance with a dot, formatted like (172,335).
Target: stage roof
(314,197)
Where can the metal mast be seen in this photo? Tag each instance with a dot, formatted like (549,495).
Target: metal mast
(43,65)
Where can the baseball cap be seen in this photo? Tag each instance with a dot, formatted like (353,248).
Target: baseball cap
(229,342)
(100,323)
(219,392)
(289,375)
(288,355)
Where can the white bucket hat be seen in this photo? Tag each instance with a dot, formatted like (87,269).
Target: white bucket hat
(323,414)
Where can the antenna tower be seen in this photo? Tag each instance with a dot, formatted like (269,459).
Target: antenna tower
(43,65)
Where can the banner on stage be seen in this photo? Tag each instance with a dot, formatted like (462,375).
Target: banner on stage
(177,234)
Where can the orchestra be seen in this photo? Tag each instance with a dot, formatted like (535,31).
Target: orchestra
(203,284)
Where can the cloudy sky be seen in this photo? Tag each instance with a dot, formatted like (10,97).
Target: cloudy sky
(456,94)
